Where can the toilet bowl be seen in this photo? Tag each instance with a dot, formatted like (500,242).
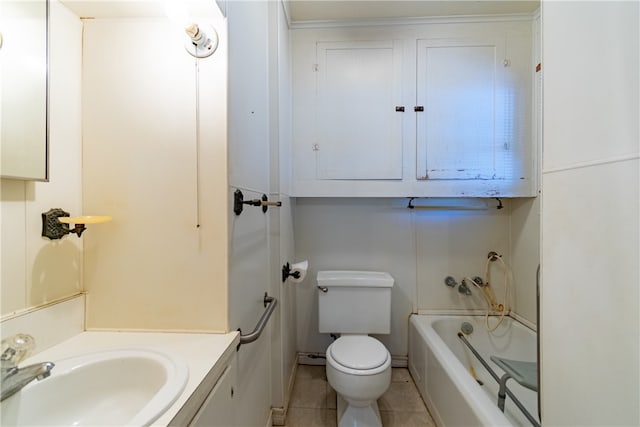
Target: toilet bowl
(359,370)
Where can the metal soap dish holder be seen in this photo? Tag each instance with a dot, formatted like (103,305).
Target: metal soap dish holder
(55,223)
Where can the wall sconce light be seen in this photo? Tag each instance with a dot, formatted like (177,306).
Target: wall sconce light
(55,223)
(202,41)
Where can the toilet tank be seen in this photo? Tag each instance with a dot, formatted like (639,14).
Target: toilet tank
(357,302)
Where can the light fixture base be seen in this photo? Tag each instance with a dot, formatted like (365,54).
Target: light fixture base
(206,48)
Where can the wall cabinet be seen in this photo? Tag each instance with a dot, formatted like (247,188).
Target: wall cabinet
(436,110)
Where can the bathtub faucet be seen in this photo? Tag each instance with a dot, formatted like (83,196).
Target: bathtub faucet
(13,379)
(451,282)
(464,289)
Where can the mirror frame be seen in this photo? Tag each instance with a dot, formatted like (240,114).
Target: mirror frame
(43,177)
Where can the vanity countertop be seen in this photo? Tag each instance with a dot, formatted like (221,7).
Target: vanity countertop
(203,353)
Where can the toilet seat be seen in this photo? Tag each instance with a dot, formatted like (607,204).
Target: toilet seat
(358,355)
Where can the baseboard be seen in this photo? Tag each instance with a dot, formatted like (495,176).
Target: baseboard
(320,359)
(399,361)
(311,359)
(279,415)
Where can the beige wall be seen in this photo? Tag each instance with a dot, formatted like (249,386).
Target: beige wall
(35,270)
(151,268)
(162,263)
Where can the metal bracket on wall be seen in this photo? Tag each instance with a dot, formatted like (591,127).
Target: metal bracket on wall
(239,202)
(286,272)
(52,228)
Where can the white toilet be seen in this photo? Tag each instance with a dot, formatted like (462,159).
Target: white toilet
(354,304)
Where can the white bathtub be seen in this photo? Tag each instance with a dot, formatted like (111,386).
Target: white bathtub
(440,364)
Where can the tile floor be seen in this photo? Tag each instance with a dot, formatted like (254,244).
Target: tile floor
(313,401)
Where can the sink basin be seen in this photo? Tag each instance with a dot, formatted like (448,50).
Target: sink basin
(129,387)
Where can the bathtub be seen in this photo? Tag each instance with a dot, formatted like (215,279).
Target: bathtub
(443,369)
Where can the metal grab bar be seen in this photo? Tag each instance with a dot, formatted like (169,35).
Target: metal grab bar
(497,378)
(270,304)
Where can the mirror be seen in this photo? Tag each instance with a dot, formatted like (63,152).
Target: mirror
(24,89)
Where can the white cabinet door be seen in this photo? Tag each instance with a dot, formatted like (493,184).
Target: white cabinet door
(475,122)
(358,128)
(218,408)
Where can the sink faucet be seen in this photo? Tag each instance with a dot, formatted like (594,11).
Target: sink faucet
(13,378)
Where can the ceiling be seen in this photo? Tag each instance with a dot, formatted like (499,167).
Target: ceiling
(105,9)
(314,10)
(114,8)
(322,10)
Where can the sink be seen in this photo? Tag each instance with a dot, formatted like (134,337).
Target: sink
(127,387)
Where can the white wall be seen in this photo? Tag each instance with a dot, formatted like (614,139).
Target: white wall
(35,270)
(249,279)
(590,212)
(260,243)
(525,256)
(285,344)
(418,247)
(249,95)
(254,235)
(281,226)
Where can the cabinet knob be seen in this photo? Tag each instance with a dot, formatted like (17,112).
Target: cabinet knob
(418,108)
(400,109)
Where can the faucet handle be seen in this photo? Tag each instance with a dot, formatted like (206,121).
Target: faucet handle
(16,348)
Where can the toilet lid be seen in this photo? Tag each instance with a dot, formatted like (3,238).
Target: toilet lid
(359,352)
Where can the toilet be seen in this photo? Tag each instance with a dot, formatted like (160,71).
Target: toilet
(354,304)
